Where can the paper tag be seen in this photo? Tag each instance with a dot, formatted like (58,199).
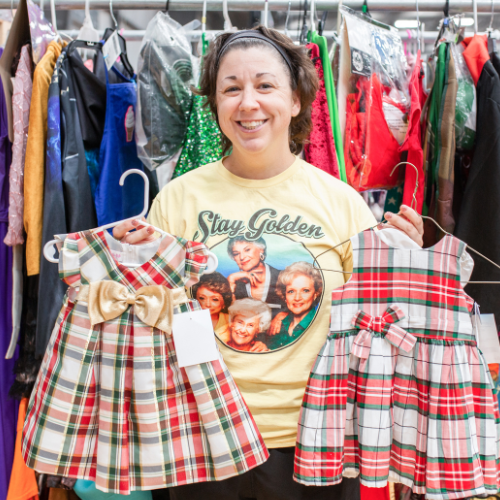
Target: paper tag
(194,338)
(488,337)
(395,119)
(111,50)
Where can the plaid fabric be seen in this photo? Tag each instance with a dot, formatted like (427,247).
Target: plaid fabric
(112,405)
(425,416)
(380,324)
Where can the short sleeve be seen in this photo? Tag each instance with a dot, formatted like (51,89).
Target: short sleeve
(69,261)
(196,262)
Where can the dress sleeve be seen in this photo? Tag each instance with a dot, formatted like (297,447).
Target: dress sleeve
(69,261)
(196,262)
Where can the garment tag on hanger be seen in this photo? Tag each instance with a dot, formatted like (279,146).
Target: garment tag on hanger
(487,332)
(194,338)
(111,50)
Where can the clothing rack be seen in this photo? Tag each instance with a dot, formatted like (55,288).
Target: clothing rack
(455,6)
(138,35)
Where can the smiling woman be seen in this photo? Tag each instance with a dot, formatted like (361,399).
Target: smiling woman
(263,210)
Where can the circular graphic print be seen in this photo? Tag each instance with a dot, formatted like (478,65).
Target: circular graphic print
(264,294)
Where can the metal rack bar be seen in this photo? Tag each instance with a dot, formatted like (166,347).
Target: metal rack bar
(138,35)
(275,5)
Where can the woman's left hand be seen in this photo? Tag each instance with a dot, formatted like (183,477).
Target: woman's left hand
(408,221)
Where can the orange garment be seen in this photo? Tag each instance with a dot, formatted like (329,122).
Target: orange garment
(476,54)
(34,167)
(23,485)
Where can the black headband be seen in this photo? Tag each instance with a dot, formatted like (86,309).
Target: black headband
(259,36)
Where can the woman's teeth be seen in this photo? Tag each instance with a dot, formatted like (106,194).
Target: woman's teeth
(251,125)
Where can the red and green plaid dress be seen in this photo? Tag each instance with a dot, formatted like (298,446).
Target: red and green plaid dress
(112,405)
(400,391)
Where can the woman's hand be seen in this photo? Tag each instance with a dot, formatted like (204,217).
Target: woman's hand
(408,221)
(259,347)
(241,276)
(142,234)
(275,327)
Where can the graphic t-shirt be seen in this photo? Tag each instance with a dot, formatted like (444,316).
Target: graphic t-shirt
(269,303)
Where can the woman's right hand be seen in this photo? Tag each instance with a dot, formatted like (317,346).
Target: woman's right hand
(275,327)
(125,233)
(240,276)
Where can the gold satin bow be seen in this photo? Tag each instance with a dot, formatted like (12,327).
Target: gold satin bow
(153,305)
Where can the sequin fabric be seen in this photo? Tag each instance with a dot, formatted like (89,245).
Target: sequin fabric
(21,99)
(202,144)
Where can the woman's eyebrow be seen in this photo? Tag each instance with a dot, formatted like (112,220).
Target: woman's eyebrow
(258,75)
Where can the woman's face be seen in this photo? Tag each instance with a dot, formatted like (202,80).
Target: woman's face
(209,299)
(255,101)
(247,255)
(300,294)
(243,330)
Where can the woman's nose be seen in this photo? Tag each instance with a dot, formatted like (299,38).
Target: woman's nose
(248,100)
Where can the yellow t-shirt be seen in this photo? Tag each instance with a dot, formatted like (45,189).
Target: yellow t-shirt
(260,228)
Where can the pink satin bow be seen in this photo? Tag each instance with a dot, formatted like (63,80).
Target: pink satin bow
(380,324)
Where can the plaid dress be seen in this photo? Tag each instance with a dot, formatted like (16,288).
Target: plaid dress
(112,405)
(400,391)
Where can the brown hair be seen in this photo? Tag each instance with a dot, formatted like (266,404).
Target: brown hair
(304,268)
(216,283)
(304,80)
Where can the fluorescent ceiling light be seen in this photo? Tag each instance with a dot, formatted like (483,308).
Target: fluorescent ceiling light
(406,23)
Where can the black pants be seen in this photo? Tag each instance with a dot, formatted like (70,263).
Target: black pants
(270,481)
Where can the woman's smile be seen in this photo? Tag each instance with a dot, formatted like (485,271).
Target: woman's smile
(251,126)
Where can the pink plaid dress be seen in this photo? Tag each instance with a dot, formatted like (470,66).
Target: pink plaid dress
(112,405)
(400,391)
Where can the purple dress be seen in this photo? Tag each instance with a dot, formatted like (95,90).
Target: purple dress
(8,406)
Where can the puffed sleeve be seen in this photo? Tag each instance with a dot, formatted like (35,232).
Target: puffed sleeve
(196,262)
(69,261)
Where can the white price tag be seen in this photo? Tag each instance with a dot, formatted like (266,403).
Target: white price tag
(111,50)
(194,338)
(488,337)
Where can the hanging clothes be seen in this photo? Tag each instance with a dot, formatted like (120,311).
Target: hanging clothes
(441,145)
(202,144)
(119,154)
(52,289)
(371,150)
(202,428)
(35,157)
(21,100)
(320,150)
(400,383)
(23,484)
(8,407)
(478,223)
(413,141)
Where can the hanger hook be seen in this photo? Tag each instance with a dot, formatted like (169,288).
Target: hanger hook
(490,27)
(474,12)
(112,14)
(414,197)
(204,17)
(418,25)
(146,189)
(312,14)
(288,16)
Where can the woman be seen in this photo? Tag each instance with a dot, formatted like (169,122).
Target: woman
(300,286)
(213,293)
(255,277)
(247,319)
(261,90)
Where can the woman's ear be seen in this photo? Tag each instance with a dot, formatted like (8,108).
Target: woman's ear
(296,107)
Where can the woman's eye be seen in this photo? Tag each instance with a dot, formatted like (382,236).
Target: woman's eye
(266,86)
(232,89)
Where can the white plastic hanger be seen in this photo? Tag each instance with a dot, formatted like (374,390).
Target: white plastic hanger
(228,26)
(87,31)
(48,249)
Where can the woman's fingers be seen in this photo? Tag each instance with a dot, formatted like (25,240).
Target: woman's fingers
(139,236)
(122,229)
(407,221)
